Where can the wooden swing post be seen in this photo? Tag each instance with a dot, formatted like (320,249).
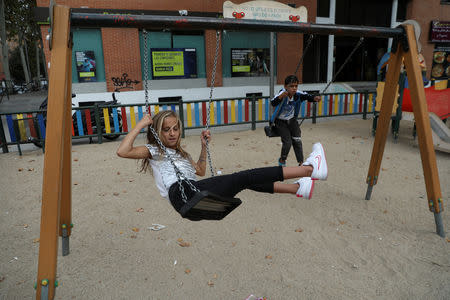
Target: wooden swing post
(407,52)
(56,187)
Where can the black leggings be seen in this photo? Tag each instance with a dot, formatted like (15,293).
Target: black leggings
(259,180)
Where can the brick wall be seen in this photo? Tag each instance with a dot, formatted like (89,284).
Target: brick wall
(121,46)
(424,12)
(122,56)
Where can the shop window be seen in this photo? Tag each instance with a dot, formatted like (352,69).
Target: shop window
(87,56)
(323,8)
(185,49)
(251,54)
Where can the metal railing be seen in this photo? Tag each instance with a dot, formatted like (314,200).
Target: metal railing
(115,120)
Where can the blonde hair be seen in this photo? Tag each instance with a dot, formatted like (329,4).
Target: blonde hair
(158,121)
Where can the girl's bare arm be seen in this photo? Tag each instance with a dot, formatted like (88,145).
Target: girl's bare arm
(200,166)
(126,148)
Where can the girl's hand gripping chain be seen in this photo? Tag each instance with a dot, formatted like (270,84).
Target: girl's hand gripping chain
(145,121)
(205,136)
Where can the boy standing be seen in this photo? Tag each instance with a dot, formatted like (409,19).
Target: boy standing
(287,107)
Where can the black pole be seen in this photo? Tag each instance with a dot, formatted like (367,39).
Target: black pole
(181,116)
(366,99)
(3,137)
(314,113)
(79,19)
(253,111)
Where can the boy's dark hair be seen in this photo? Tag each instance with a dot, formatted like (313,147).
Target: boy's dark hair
(290,79)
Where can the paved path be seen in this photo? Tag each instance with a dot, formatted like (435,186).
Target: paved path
(22,102)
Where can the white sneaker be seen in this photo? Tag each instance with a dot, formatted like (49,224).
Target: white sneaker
(306,187)
(318,161)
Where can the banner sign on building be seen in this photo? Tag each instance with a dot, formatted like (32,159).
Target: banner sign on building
(168,63)
(441,63)
(85,62)
(264,10)
(440,31)
(250,62)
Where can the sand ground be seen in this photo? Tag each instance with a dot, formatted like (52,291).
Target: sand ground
(334,246)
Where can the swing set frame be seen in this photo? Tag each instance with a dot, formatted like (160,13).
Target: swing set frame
(56,211)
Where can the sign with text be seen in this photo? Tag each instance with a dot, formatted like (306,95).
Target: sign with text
(264,10)
(85,62)
(250,62)
(168,63)
(440,31)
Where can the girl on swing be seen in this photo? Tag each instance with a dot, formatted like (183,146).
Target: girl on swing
(267,180)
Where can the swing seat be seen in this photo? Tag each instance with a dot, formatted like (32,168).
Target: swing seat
(205,205)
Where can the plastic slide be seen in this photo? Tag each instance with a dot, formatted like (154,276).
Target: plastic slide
(438,101)
(440,132)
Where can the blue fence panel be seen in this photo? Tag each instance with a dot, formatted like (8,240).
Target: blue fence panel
(219,112)
(303,108)
(41,125)
(239,111)
(12,134)
(197,114)
(116,120)
(355,103)
(140,113)
(79,123)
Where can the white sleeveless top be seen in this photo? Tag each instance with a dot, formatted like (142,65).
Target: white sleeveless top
(163,170)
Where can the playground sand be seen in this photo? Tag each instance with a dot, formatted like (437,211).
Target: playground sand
(334,246)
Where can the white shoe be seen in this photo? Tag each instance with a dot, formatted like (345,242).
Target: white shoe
(318,161)
(306,187)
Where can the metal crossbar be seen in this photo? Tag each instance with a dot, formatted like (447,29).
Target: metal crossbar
(79,19)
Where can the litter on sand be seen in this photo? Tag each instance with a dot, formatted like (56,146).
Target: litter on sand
(156,227)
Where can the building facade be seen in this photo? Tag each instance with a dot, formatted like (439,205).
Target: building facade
(112,59)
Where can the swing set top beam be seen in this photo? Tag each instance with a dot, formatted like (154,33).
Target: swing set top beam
(79,19)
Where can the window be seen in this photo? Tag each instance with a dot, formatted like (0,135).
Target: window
(241,40)
(323,8)
(186,40)
(88,43)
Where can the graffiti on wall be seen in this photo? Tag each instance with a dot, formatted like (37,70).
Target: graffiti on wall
(121,83)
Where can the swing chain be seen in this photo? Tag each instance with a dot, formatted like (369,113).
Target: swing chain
(213,78)
(146,70)
(361,40)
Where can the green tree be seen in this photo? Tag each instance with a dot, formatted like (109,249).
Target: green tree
(20,26)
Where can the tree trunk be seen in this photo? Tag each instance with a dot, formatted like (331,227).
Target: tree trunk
(43,60)
(4,46)
(38,66)
(27,59)
(24,64)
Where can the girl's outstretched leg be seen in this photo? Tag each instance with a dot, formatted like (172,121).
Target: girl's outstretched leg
(296,172)
(302,188)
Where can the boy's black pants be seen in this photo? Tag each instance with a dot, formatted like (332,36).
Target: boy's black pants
(290,134)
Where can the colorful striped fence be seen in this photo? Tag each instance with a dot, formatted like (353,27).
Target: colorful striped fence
(120,119)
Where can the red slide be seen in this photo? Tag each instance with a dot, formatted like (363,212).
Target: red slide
(438,101)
